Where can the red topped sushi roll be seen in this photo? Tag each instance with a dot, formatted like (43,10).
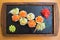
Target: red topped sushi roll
(45,12)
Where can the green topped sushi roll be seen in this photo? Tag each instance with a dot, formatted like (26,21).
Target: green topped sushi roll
(12,28)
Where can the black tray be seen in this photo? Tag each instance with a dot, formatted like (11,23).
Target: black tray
(51,22)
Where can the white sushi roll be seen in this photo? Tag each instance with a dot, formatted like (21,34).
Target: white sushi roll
(23,21)
(30,16)
(40,26)
(14,11)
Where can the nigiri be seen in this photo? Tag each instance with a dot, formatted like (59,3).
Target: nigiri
(14,11)
(39,19)
(23,13)
(23,21)
(31,23)
(30,16)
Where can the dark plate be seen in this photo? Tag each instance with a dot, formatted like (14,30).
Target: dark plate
(33,8)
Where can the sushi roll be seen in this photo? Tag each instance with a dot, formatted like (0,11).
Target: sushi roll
(31,23)
(14,11)
(40,27)
(23,21)
(45,12)
(30,16)
(12,28)
(23,13)
(39,19)
(15,18)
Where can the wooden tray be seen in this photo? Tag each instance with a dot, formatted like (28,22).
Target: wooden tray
(55,16)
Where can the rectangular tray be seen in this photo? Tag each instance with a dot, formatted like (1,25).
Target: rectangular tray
(53,6)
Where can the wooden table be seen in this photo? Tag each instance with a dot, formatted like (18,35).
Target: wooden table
(29,37)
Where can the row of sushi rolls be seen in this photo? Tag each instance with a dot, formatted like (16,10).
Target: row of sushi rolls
(29,18)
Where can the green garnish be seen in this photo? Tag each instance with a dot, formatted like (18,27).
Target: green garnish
(12,28)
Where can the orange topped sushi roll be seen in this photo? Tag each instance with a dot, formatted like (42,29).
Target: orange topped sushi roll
(31,23)
(39,19)
(23,13)
(15,18)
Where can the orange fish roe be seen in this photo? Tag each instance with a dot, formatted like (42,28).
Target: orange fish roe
(39,19)
(31,23)
(23,13)
(15,18)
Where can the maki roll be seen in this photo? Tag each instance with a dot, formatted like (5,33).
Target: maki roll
(30,16)
(14,11)
(39,19)
(45,12)
(31,23)
(15,18)
(23,13)
(23,21)
(40,27)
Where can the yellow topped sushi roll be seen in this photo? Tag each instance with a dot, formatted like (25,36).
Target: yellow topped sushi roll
(23,21)
(14,11)
(30,16)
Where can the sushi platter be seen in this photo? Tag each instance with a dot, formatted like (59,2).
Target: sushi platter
(30,18)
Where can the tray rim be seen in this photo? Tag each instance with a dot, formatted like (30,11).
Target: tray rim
(56,16)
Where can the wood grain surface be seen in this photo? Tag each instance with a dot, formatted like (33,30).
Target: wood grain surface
(28,37)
